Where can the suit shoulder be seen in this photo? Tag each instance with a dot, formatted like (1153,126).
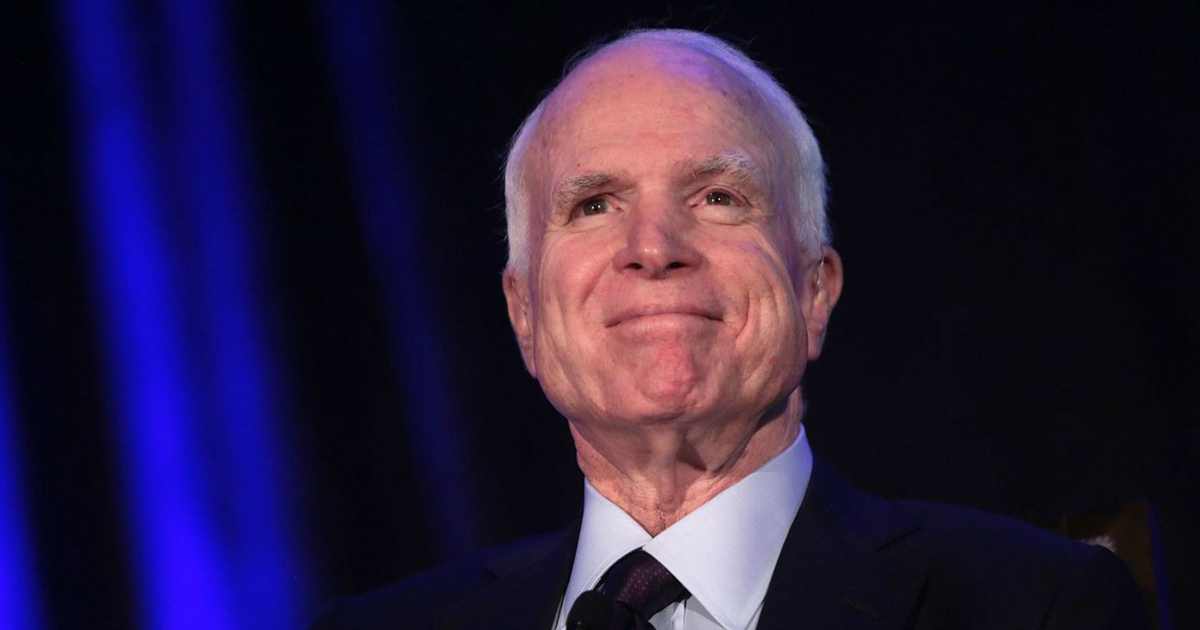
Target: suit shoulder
(955,532)
(413,602)
(980,561)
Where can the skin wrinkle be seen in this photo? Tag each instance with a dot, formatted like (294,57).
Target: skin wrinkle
(731,165)
(573,189)
(693,406)
(799,177)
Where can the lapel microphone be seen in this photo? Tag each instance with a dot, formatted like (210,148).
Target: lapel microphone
(593,610)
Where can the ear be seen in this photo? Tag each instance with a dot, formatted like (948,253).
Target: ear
(516,293)
(822,287)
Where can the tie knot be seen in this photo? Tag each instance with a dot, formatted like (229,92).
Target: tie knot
(643,584)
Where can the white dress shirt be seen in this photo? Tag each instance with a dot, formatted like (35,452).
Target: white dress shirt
(724,552)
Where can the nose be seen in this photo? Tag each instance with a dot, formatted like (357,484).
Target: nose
(658,243)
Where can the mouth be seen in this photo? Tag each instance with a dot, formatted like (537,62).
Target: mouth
(646,311)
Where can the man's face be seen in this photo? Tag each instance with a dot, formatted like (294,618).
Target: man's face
(659,284)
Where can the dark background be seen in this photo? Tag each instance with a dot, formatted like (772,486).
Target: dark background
(1014,194)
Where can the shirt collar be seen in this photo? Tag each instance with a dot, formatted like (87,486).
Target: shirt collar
(724,552)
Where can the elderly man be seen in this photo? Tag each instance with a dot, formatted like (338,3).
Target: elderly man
(669,279)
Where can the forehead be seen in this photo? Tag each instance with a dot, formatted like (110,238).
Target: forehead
(647,65)
(649,92)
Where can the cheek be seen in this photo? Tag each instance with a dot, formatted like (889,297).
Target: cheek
(773,321)
(574,263)
(567,287)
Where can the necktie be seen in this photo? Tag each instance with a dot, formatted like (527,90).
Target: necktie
(644,587)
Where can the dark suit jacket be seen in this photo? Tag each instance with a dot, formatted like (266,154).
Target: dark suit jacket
(850,561)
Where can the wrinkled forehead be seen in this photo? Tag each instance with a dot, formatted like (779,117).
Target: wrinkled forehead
(642,71)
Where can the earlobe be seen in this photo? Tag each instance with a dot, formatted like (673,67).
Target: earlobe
(822,289)
(516,294)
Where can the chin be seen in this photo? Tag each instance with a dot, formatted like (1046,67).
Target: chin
(677,387)
(668,403)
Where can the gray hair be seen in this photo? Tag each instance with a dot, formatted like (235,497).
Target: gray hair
(804,211)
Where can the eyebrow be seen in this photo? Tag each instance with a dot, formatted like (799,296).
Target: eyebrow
(737,166)
(573,188)
(732,164)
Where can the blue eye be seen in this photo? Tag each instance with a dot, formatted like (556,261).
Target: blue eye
(718,198)
(594,206)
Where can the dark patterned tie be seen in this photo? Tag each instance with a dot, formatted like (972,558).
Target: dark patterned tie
(643,586)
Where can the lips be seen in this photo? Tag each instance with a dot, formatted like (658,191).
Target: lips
(650,310)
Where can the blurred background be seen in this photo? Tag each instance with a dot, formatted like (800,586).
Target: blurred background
(253,348)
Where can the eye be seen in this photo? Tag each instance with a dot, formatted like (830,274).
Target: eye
(718,198)
(594,206)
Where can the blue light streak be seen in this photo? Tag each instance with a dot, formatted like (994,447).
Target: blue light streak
(175,556)
(167,211)
(266,578)
(20,602)
(356,42)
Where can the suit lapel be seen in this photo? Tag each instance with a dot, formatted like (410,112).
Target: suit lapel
(834,571)
(525,592)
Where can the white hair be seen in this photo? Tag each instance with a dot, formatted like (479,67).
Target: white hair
(804,201)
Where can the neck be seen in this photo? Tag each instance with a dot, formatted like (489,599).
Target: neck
(661,473)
